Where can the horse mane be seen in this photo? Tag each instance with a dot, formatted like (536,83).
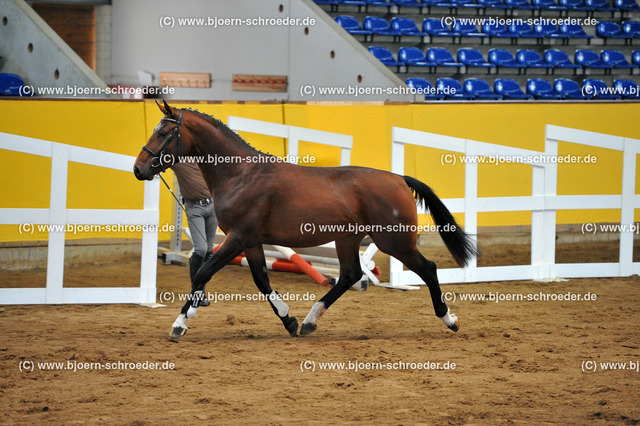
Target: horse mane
(224,129)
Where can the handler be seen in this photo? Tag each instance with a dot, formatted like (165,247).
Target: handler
(200,216)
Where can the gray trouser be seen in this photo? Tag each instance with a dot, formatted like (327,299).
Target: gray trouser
(203,225)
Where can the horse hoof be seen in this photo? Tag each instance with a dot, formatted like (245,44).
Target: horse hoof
(292,327)
(455,326)
(308,328)
(177,332)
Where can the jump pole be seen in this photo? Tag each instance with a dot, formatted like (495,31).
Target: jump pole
(294,258)
(298,265)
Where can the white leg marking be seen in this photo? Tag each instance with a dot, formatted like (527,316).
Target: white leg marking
(316,311)
(281,307)
(180,322)
(449,319)
(192,312)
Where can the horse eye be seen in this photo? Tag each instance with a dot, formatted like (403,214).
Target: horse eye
(162,133)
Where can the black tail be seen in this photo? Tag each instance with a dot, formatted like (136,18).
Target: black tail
(460,245)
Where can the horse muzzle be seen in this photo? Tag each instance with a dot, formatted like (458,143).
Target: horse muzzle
(143,173)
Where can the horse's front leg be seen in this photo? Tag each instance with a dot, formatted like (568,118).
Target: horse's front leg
(258,265)
(229,249)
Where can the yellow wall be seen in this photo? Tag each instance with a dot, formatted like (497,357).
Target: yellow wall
(124,126)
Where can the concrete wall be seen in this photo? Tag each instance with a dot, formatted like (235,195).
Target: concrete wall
(141,43)
(31,49)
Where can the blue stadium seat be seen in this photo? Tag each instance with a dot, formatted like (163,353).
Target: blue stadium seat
(531,59)
(628,5)
(493,4)
(548,5)
(467,29)
(414,56)
(569,89)
(574,31)
(329,2)
(452,88)
(435,27)
(509,89)
(541,89)
(467,3)
(384,55)
(379,26)
(606,29)
(473,58)
(616,59)
(550,30)
(600,5)
(408,3)
(631,29)
(378,3)
(479,89)
(438,3)
(504,58)
(442,57)
(520,4)
(407,27)
(598,89)
(559,59)
(351,25)
(10,85)
(498,30)
(590,59)
(574,5)
(635,57)
(425,86)
(352,2)
(522,29)
(627,89)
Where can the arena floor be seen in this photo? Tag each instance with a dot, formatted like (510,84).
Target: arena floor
(522,362)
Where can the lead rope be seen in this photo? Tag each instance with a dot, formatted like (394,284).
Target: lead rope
(205,238)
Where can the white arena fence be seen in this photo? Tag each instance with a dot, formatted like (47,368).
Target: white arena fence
(58,214)
(294,135)
(543,204)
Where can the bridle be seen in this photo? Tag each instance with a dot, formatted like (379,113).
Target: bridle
(157,157)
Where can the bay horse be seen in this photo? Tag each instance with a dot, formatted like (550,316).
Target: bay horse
(260,200)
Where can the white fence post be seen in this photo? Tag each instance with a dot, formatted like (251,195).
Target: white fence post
(57,215)
(471,206)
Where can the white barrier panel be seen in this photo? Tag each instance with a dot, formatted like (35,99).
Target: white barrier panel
(294,135)
(58,214)
(543,204)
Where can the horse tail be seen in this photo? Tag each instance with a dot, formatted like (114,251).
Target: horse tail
(460,245)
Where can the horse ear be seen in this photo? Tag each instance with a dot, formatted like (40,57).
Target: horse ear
(167,109)
(160,107)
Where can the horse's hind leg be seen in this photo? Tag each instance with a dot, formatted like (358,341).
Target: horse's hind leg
(426,269)
(405,250)
(350,272)
(258,265)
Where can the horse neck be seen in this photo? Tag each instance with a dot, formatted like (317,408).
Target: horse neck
(223,155)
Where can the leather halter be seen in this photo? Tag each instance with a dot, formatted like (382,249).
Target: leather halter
(158,156)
